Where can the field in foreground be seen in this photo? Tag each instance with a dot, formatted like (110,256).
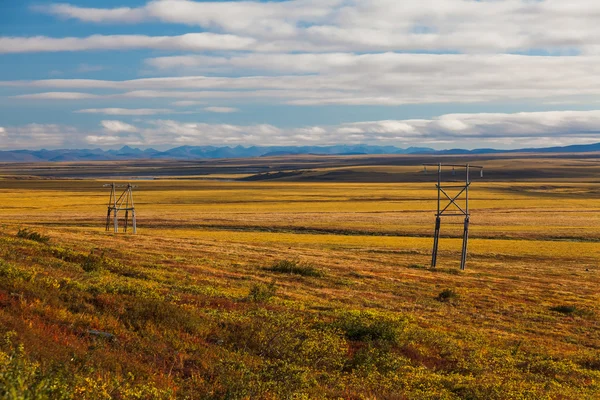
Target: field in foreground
(238,290)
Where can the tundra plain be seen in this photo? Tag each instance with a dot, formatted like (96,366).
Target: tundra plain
(300,278)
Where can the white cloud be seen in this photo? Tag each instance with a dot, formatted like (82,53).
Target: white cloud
(376,25)
(451,130)
(223,110)
(38,135)
(187,103)
(106,140)
(338,52)
(376,79)
(125,111)
(57,96)
(118,126)
(191,42)
(122,14)
(498,130)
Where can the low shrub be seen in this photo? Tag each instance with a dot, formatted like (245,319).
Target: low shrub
(160,313)
(25,233)
(260,292)
(367,326)
(447,295)
(284,336)
(371,358)
(564,309)
(295,267)
(571,310)
(93,262)
(68,255)
(21,378)
(12,272)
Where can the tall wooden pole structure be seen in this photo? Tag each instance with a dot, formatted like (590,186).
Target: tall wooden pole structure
(122,203)
(456,211)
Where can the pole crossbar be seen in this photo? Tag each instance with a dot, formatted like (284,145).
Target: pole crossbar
(122,203)
(454,165)
(452,201)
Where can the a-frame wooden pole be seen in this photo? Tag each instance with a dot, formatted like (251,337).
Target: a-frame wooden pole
(132,205)
(436,235)
(463,256)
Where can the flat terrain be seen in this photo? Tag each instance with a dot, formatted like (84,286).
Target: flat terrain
(294,285)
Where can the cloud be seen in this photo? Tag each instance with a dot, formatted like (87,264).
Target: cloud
(122,14)
(223,110)
(338,25)
(118,126)
(517,130)
(57,96)
(187,103)
(38,135)
(125,111)
(249,16)
(450,130)
(191,42)
(372,79)
(104,139)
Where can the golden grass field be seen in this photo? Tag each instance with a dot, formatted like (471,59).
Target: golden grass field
(199,309)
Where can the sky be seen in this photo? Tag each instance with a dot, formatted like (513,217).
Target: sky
(166,73)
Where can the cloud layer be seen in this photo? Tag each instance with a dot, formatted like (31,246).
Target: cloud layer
(351,79)
(348,25)
(188,42)
(252,55)
(503,130)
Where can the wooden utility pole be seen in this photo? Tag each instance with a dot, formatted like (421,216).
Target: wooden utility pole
(456,211)
(122,203)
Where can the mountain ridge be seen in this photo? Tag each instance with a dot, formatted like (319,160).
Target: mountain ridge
(217,152)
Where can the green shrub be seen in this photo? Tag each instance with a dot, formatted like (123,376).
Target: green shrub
(370,358)
(367,326)
(572,310)
(447,295)
(260,292)
(68,255)
(12,272)
(24,379)
(160,313)
(21,378)
(295,267)
(25,233)
(564,309)
(284,336)
(93,262)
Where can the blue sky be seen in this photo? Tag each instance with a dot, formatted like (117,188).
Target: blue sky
(164,73)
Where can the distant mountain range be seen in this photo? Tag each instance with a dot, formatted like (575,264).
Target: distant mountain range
(212,152)
(197,152)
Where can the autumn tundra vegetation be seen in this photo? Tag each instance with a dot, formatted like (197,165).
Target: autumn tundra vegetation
(310,279)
